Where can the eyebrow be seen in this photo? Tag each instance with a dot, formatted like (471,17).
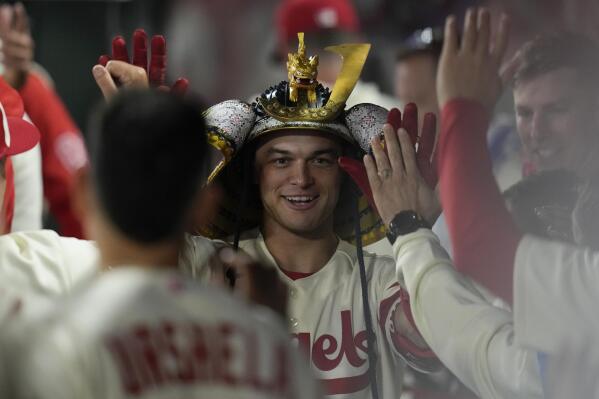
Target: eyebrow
(326,151)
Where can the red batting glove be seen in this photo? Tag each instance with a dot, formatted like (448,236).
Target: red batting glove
(157,67)
(424,155)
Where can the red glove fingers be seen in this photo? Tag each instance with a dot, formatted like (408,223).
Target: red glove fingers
(157,74)
(426,145)
(119,49)
(394,118)
(410,121)
(103,59)
(140,49)
(180,86)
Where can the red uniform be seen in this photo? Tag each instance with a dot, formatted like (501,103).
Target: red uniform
(63,150)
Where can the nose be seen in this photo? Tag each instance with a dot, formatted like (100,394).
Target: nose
(301,175)
(538,127)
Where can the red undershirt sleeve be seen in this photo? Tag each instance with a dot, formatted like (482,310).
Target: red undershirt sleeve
(62,147)
(483,235)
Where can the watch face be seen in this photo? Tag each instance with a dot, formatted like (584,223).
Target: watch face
(406,222)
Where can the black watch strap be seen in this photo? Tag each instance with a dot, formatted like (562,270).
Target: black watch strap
(405,222)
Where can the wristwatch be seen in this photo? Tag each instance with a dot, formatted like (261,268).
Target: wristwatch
(405,222)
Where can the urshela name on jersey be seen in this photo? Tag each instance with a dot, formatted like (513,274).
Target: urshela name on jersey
(167,353)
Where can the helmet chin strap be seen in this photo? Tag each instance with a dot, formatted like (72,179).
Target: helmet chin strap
(370,336)
(230,273)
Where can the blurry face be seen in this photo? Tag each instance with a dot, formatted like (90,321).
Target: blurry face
(415,78)
(299,181)
(557,125)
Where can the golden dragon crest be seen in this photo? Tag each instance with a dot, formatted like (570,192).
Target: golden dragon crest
(302,72)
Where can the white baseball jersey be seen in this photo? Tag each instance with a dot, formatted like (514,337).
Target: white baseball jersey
(473,338)
(135,332)
(326,316)
(332,333)
(556,293)
(38,266)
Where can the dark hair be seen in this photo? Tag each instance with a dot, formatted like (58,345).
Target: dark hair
(148,160)
(428,41)
(559,50)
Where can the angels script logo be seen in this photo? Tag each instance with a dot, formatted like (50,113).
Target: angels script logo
(327,353)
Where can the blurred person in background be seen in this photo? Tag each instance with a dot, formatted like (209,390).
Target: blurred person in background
(36,266)
(62,148)
(415,73)
(17,137)
(415,81)
(478,338)
(552,284)
(555,85)
(555,82)
(326,23)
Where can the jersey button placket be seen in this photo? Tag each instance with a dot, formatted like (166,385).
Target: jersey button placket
(293,322)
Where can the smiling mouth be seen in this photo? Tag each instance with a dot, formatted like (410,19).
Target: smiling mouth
(546,152)
(301,199)
(301,202)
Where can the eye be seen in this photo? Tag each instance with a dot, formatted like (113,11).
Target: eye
(280,162)
(523,113)
(321,161)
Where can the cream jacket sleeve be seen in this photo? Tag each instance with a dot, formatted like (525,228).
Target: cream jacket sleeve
(44,263)
(556,293)
(473,338)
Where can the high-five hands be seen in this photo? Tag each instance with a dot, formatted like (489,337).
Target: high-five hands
(424,163)
(471,69)
(396,182)
(111,72)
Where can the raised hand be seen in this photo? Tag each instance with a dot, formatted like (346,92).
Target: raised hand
(471,69)
(395,180)
(254,282)
(425,159)
(426,140)
(118,70)
(17,44)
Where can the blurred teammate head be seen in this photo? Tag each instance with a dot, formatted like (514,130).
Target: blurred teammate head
(148,160)
(416,68)
(556,92)
(325,23)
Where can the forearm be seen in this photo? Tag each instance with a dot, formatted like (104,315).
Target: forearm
(470,336)
(483,235)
